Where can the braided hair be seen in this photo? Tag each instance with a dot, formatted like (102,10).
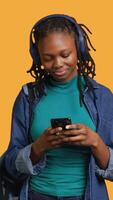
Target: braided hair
(85,66)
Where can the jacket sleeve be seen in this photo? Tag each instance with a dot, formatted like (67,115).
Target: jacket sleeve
(17,161)
(107,131)
(108,173)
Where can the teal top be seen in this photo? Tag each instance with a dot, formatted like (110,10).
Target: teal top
(66,169)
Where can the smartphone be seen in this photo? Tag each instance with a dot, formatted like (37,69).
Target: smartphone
(60,122)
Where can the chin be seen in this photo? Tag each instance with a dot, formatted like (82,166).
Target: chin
(61,79)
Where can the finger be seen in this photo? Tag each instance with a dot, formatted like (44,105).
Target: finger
(57,146)
(76,143)
(54,143)
(53,131)
(54,137)
(73,132)
(78,138)
(75,126)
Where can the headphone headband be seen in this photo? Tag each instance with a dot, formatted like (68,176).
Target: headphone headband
(72,20)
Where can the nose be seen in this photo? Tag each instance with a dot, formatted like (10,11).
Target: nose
(57,63)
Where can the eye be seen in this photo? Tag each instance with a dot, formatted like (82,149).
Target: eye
(65,55)
(47,59)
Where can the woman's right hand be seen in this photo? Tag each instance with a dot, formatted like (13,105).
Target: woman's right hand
(50,139)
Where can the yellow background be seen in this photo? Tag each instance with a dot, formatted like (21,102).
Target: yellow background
(16,20)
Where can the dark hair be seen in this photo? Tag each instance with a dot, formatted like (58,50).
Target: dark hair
(86,65)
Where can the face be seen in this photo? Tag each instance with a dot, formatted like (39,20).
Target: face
(58,55)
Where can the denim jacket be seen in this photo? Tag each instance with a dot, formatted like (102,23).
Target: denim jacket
(17,159)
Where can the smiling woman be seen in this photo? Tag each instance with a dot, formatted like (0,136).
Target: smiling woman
(54,162)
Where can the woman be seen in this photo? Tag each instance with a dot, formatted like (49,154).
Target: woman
(69,163)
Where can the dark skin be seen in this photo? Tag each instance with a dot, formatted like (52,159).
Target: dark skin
(59,57)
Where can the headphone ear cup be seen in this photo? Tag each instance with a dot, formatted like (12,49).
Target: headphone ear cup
(34,53)
(81,41)
(82,49)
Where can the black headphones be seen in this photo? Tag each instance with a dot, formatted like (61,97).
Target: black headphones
(80,42)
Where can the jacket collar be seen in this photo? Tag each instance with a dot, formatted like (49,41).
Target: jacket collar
(94,83)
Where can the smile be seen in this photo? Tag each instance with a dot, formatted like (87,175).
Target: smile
(60,72)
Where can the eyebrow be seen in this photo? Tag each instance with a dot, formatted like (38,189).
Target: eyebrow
(62,51)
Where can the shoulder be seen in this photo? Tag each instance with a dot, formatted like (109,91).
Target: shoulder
(29,92)
(101,89)
(104,100)
(103,97)
(23,94)
(26,86)
(24,91)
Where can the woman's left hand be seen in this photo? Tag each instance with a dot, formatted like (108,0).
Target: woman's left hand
(80,134)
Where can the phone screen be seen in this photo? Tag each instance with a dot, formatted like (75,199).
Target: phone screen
(60,122)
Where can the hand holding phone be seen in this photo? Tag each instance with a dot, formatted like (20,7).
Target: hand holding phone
(60,122)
